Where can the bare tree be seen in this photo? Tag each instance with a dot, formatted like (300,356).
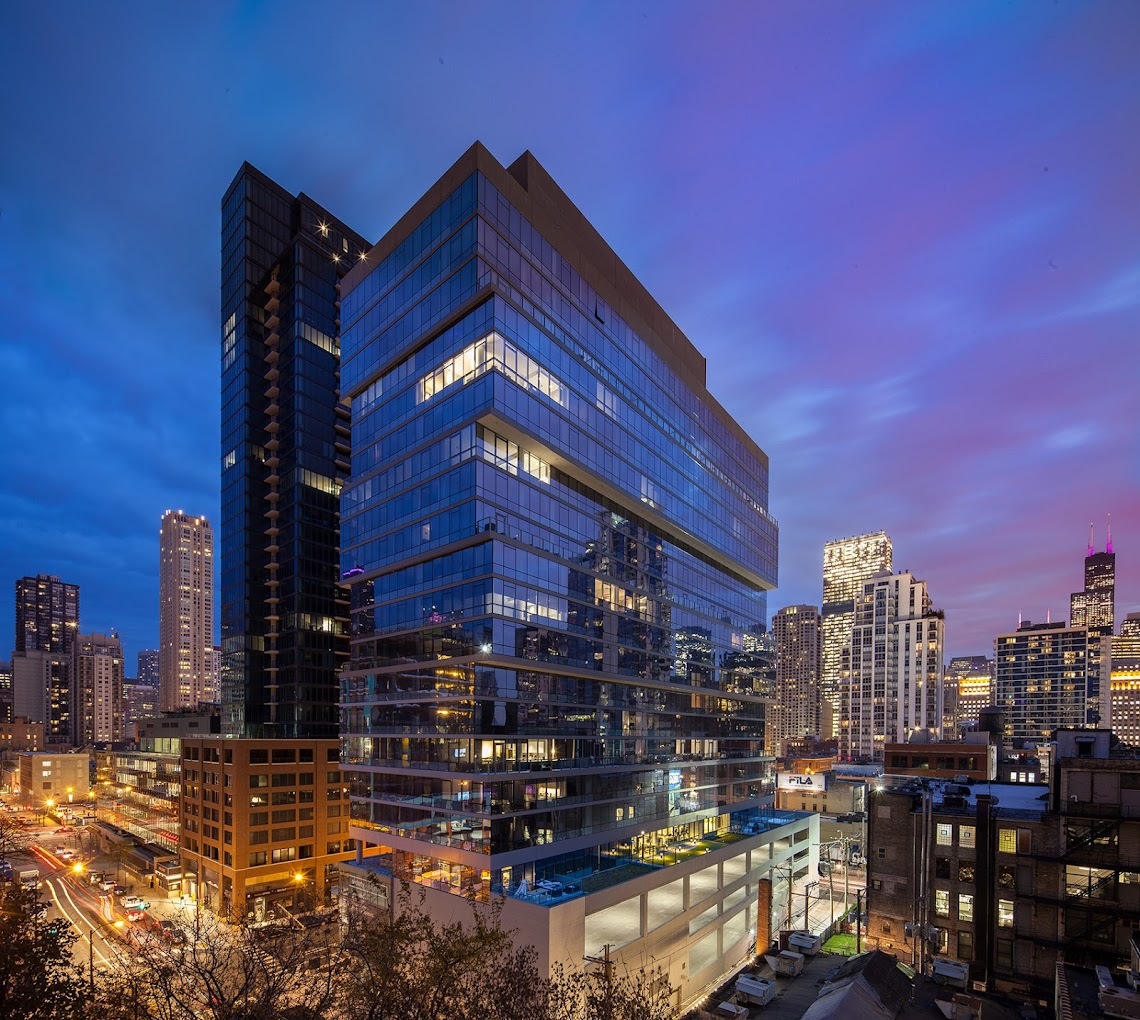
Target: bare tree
(39,980)
(410,967)
(602,993)
(14,838)
(118,854)
(210,969)
(403,967)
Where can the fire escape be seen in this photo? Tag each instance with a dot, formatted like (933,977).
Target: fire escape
(1088,892)
(1092,864)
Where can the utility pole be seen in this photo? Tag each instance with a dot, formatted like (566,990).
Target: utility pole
(807,903)
(608,979)
(858,919)
(91,958)
(791,894)
(831,885)
(846,844)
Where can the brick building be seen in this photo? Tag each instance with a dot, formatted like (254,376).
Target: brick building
(976,757)
(1011,878)
(264,824)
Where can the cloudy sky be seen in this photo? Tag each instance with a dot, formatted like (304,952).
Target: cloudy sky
(905,236)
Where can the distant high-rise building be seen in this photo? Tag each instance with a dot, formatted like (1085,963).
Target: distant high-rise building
(97,684)
(213,691)
(893,667)
(796,713)
(847,564)
(970,677)
(47,621)
(140,701)
(5,692)
(1041,679)
(285,457)
(148,667)
(185,610)
(1121,712)
(1130,625)
(1094,608)
(47,614)
(41,692)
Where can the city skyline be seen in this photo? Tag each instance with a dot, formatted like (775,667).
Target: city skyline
(938,307)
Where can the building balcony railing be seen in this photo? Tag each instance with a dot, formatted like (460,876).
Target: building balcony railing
(547,765)
(1088,809)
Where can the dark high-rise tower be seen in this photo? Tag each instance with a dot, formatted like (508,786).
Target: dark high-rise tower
(1094,608)
(285,444)
(148,667)
(47,623)
(47,614)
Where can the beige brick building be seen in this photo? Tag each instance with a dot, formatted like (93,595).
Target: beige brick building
(264,824)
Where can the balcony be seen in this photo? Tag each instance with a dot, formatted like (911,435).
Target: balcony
(1090,809)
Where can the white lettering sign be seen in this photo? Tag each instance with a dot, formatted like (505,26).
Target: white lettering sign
(816,782)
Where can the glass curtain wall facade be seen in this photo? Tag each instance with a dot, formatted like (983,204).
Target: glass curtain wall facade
(285,457)
(847,563)
(557,544)
(1094,608)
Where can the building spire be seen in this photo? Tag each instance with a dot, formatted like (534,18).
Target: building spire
(1108,546)
(1092,551)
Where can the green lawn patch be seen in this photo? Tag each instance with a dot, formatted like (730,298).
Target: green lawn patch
(843,945)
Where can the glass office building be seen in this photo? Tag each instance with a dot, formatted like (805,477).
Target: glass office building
(558,550)
(285,457)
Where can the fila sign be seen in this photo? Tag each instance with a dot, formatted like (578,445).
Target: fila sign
(814,783)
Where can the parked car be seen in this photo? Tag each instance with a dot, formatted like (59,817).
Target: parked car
(119,890)
(63,830)
(132,902)
(137,913)
(107,884)
(170,931)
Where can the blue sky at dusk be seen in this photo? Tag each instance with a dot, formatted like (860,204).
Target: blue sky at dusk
(906,237)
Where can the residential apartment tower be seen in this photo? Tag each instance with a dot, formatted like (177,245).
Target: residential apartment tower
(285,456)
(847,563)
(185,612)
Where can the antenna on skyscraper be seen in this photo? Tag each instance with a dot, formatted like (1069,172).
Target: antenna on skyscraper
(1049,612)
(1108,547)
(1091,549)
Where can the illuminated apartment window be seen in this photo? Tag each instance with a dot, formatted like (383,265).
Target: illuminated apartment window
(945,836)
(941,903)
(966,836)
(1007,841)
(965,906)
(1005,913)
